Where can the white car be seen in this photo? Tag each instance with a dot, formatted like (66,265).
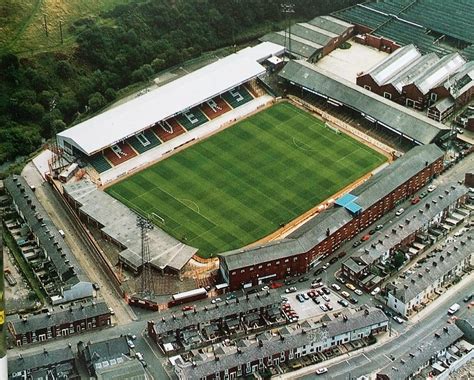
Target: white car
(398,319)
(326,298)
(375,291)
(266,287)
(139,356)
(431,188)
(130,344)
(358,292)
(400,212)
(322,370)
(335,287)
(216,300)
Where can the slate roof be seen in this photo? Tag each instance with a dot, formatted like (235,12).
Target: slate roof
(130,369)
(444,104)
(313,232)
(398,118)
(433,269)
(410,362)
(57,317)
(413,71)
(39,359)
(50,240)
(182,320)
(289,338)
(105,350)
(120,223)
(331,24)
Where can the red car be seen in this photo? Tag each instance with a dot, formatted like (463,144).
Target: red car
(276,285)
(187,308)
(415,200)
(365,237)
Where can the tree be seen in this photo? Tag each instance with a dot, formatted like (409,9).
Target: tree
(96,101)
(68,105)
(398,260)
(110,94)
(64,69)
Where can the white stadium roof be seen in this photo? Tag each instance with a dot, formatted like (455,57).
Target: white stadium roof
(184,93)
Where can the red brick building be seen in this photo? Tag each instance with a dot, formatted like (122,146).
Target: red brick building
(324,233)
(60,322)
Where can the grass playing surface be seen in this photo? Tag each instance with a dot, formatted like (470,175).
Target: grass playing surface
(244,182)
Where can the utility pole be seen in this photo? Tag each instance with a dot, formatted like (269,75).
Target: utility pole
(45,25)
(146,286)
(61,31)
(287,9)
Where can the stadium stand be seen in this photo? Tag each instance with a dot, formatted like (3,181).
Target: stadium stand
(192,118)
(237,96)
(119,153)
(215,107)
(168,129)
(468,53)
(99,163)
(144,141)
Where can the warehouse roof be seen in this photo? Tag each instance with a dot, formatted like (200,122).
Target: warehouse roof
(410,362)
(393,64)
(396,117)
(131,117)
(462,81)
(120,223)
(331,24)
(299,47)
(413,71)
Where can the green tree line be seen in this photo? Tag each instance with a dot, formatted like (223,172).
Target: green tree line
(43,94)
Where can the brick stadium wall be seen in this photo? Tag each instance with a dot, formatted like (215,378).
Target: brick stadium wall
(300,263)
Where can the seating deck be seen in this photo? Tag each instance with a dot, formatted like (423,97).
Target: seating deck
(237,96)
(117,158)
(192,118)
(215,107)
(144,141)
(165,135)
(99,163)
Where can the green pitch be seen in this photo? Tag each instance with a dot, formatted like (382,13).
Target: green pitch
(244,182)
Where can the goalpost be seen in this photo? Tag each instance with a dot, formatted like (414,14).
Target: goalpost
(155,216)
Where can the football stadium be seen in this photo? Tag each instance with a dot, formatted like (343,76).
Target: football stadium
(247,181)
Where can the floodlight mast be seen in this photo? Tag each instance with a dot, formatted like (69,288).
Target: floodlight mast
(288,8)
(146,286)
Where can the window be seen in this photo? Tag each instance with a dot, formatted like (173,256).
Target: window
(367,87)
(269,264)
(387,95)
(433,97)
(259,267)
(242,271)
(278,262)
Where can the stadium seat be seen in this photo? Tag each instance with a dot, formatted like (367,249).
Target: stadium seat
(99,163)
(215,107)
(119,153)
(192,118)
(168,129)
(237,96)
(144,141)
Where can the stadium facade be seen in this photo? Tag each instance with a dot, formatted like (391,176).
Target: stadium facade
(324,233)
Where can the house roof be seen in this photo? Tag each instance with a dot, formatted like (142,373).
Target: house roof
(58,317)
(104,350)
(129,369)
(331,24)
(400,119)
(39,359)
(410,362)
(444,104)
(127,119)
(47,233)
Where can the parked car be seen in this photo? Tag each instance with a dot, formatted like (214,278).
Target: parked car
(323,308)
(187,308)
(379,227)
(350,286)
(325,290)
(316,284)
(375,291)
(356,244)
(96,286)
(353,300)
(276,285)
(139,356)
(398,319)
(415,200)
(341,280)
(303,279)
(290,281)
(345,294)
(358,292)
(326,266)
(365,237)
(431,188)
(318,272)
(305,296)
(468,298)
(316,300)
(343,302)
(335,287)
(341,254)
(333,260)
(266,287)
(291,290)
(233,296)
(326,298)
(130,344)
(216,300)
(423,194)
(328,306)
(311,294)
(371,232)
(321,370)
(400,211)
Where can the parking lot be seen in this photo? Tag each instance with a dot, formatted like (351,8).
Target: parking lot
(308,308)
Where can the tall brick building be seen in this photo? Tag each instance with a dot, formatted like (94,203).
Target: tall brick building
(324,233)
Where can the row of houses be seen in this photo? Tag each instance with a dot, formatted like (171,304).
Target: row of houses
(59,322)
(415,288)
(324,233)
(198,327)
(43,246)
(422,81)
(414,226)
(108,359)
(247,357)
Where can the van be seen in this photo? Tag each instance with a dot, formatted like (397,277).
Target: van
(61,232)
(453,309)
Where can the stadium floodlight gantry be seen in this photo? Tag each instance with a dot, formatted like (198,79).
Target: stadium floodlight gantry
(130,118)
